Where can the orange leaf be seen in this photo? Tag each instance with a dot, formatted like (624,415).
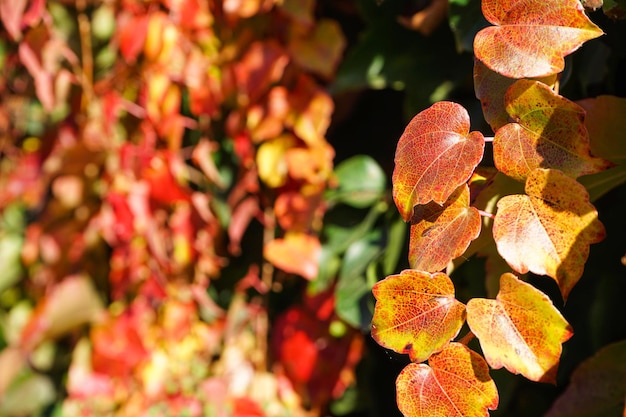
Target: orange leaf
(549,133)
(520,330)
(531,37)
(296,253)
(490,89)
(435,154)
(442,233)
(416,313)
(548,231)
(455,383)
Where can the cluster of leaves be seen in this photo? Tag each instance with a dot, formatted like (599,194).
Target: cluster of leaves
(526,213)
(140,141)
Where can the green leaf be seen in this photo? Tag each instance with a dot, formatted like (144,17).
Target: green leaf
(352,284)
(466,20)
(362,182)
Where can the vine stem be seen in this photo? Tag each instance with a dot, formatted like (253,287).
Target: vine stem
(467,338)
(267,278)
(488,138)
(84,28)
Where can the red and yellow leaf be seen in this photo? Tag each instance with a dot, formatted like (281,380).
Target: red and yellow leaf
(531,37)
(549,230)
(520,330)
(416,313)
(455,382)
(549,133)
(435,154)
(442,233)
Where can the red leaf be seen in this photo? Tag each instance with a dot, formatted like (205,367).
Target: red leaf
(435,155)
(132,32)
(440,234)
(71,304)
(262,65)
(11,13)
(531,37)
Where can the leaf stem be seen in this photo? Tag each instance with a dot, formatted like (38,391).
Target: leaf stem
(84,28)
(467,338)
(488,138)
(486,214)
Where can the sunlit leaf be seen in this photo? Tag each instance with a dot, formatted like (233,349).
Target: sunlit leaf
(549,133)
(549,230)
(416,313)
(597,387)
(531,37)
(606,125)
(441,233)
(270,159)
(296,253)
(455,382)
(435,154)
(520,330)
(490,88)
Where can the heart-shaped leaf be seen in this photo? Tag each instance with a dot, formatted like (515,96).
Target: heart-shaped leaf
(455,382)
(549,230)
(490,88)
(520,330)
(531,37)
(597,386)
(441,233)
(549,133)
(416,313)
(435,154)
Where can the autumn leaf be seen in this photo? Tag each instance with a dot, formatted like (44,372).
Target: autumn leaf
(296,253)
(270,159)
(606,125)
(549,230)
(455,382)
(490,88)
(441,233)
(531,37)
(549,133)
(520,330)
(72,303)
(597,387)
(320,50)
(416,313)
(435,154)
